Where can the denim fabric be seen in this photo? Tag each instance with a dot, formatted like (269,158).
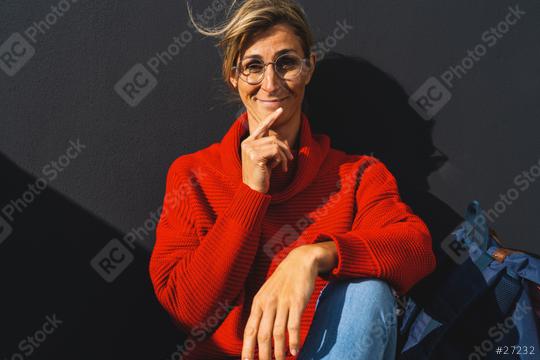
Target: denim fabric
(354,319)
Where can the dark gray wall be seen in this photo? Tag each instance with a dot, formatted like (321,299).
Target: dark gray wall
(68,79)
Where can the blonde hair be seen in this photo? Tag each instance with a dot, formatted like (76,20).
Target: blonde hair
(249,19)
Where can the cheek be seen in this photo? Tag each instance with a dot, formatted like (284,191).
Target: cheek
(245,93)
(299,90)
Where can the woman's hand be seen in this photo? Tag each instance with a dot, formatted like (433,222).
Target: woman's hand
(261,153)
(278,306)
(280,302)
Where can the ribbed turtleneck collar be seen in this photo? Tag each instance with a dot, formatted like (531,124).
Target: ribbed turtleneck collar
(312,150)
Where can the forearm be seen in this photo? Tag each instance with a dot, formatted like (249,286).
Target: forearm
(191,281)
(399,253)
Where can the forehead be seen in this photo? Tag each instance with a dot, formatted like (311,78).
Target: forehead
(273,41)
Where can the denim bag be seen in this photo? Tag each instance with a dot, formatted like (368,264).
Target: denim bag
(476,305)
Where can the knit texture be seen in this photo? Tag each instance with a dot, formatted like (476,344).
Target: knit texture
(218,240)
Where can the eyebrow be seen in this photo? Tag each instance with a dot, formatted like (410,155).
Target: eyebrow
(280,52)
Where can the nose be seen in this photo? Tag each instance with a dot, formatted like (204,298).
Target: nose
(271,81)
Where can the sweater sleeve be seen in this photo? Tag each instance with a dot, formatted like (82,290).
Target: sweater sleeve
(196,274)
(386,240)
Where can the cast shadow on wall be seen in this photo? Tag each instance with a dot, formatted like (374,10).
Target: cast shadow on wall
(45,250)
(365,111)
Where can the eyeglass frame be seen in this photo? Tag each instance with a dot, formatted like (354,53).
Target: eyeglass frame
(303,62)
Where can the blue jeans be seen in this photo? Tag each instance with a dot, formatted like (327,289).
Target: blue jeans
(354,319)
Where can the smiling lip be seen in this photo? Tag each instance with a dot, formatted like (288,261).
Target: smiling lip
(271,101)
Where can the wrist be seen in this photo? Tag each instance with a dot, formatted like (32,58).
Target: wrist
(323,256)
(327,258)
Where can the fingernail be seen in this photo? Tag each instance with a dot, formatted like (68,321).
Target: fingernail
(294,351)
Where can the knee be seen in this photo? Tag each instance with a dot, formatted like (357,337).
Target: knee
(378,287)
(375,299)
(377,292)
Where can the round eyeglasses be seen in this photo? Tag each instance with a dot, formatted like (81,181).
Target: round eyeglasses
(286,66)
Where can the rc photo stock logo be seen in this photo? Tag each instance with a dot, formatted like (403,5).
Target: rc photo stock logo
(17,49)
(435,93)
(321,48)
(141,79)
(32,342)
(112,260)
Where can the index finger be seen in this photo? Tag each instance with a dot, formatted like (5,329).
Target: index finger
(263,126)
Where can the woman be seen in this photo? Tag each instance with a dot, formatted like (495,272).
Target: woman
(271,243)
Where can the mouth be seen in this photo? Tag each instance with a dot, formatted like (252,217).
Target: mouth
(272,100)
(270,105)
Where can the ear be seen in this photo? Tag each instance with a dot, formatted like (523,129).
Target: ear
(313,61)
(233,81)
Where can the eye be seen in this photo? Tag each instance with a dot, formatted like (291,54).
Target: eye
(288,62)
(253,66)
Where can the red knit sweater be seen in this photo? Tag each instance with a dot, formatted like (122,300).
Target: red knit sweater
(218,240)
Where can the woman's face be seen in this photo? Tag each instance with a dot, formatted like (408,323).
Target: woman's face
(273,92)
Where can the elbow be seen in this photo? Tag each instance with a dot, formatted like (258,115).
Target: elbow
(168,299)
(158,277)
(164,290)
(427,253)
(422,260)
